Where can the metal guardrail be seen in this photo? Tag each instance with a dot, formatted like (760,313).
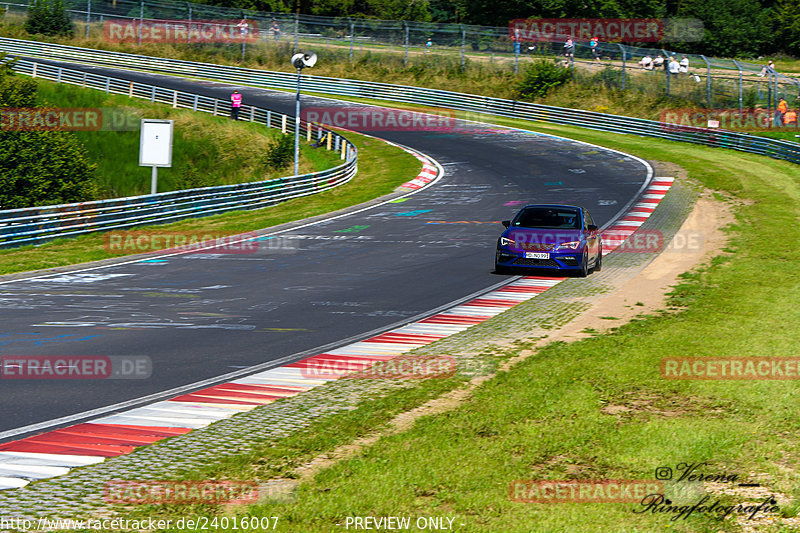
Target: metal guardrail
(413,95)
(34,225)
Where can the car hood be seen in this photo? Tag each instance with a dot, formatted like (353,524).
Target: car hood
(531,239)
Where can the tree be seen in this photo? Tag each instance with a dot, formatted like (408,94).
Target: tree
(788,26)
(48,17)
(38,167)
(732,27)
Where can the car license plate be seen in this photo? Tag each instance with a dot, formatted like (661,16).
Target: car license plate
(537,255)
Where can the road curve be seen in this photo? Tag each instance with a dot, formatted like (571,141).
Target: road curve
(199,316)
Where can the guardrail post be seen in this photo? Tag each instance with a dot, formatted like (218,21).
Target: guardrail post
(309,128)
(336,144)
(141,20)
(344,151)
(83,80)
(194,104)
(463,45)
(214,111)
(108,84)
(153,93)
(34,70)
(708,80)
(405,41)
(269,118)
(622,49)
(174,99)
(252,113)
(130,90)
(296,29)
(330,134)
(58,75)
(88,16)
(738,66)
(283,124)
(352,36)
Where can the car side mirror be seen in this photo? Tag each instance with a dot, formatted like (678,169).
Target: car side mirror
(506,223)
(592,227)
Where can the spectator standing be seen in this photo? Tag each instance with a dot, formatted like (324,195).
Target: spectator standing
(594,43)
(276,30)
(243,26)
(428,45)
(516,40)
(569,49)
(236,105)
(684,64)
(782,107)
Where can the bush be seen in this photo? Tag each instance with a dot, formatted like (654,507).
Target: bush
(540,78)
(48,17)
(280,152)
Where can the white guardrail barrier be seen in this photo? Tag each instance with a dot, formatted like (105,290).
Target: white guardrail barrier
(470,103)
(34,225)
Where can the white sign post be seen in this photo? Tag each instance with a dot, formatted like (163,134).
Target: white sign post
(155,146)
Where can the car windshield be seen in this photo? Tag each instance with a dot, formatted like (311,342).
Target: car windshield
(548,217)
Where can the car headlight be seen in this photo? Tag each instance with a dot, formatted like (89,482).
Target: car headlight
(569,245)
(505,241)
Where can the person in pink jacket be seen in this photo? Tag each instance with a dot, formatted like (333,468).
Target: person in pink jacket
(236,104)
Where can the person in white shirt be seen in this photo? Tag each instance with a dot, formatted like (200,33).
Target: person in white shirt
(684,64)
(646,62)
(658,61)
(674,67)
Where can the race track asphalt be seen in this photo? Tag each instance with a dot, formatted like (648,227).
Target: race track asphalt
(199,316)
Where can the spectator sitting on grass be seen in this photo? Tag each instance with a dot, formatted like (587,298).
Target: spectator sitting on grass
(646,62)
(769,68)
(658,61)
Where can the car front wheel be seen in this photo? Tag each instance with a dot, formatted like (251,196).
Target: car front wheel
(584,271)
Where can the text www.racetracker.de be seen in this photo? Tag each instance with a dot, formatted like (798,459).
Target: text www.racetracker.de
(199,523)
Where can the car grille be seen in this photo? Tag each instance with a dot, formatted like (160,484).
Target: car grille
(535,246)
(536,262)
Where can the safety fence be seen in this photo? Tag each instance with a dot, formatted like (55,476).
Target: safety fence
(38,224)
(407,38)
(472,105)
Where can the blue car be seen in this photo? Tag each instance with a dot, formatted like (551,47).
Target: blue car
(550,237)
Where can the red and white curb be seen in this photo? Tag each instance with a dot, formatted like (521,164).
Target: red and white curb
(55,452)
(426,175)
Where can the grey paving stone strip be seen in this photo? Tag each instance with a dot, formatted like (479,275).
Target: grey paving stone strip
(79,494)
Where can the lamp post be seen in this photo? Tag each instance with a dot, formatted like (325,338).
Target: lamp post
(300,61)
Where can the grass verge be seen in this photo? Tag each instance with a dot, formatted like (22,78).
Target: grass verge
(598,408)
(207,150)
(381,168)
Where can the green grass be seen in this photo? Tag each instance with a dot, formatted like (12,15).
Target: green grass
(545,419)
(381,168)
(207,150)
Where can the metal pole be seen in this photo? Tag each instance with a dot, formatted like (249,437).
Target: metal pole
(623,64)
(154,181)
(708,81)
(738,66)
(189,33)
(666,72)
(463,45)
(141,20)
(405,26)
(244,36)
(769,99)
(297,128)
(352,36)
(296,29)
(88,16)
